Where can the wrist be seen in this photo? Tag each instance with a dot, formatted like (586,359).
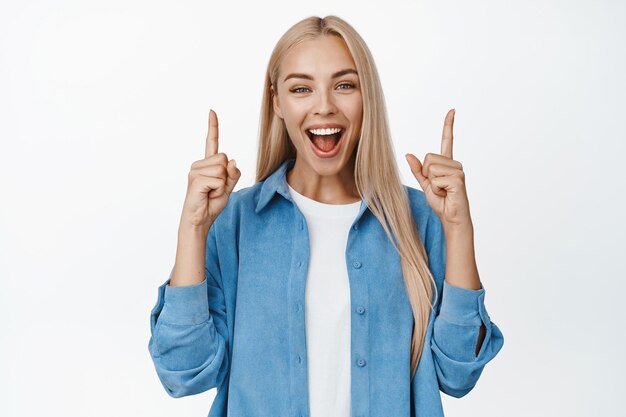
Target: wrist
(459,230)
(187,230)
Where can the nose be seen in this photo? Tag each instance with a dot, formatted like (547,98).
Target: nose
(324,104)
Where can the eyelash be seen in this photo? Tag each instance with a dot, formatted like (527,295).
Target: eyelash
(295,90)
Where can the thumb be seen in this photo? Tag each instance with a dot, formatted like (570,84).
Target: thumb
(416,169)
(233,175)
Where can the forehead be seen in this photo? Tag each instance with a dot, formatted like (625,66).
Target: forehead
(318,57)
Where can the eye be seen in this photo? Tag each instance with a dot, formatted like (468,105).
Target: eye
(298,89)
(347,85)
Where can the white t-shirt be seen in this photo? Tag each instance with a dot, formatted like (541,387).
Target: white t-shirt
(327,305)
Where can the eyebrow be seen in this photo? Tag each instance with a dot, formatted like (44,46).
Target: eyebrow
(335,75)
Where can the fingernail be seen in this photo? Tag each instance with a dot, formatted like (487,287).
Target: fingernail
(234,163)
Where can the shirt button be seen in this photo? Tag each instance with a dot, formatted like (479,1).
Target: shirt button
(301,225)
(355,227)
(299,359)
(356,264)
(299,264)
(360,309)
(298,307)
(361,362)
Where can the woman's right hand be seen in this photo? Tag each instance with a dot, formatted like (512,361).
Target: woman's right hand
(210,182)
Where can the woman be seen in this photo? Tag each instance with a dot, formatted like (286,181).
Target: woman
(320,289)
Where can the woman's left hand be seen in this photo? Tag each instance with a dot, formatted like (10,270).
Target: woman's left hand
(443,181)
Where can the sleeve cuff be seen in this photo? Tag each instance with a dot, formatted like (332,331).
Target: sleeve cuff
(185,304)
(462,306)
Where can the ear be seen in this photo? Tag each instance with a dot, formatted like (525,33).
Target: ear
(275,102)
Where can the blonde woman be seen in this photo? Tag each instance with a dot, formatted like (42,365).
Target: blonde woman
(324,289)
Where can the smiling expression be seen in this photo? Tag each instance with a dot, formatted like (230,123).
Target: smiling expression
(318,87)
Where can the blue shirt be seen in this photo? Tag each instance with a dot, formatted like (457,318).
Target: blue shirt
(242,329)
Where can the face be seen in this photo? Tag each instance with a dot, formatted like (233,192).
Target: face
(317,94)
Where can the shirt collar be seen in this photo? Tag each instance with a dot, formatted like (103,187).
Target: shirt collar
(277,183)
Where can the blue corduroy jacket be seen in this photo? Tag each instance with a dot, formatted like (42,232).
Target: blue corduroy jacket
(242,329)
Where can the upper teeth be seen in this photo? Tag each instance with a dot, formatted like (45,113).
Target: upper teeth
(325,131)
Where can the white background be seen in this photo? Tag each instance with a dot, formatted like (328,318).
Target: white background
(103,108)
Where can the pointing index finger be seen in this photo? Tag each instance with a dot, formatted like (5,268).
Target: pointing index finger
(212,135)
(446,137)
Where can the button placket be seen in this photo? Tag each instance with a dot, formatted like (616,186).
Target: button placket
(356,252)
(297,281)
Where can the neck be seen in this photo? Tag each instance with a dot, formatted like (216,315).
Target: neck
(336,188)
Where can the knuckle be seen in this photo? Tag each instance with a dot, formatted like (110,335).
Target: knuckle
(223,172)
(216,192)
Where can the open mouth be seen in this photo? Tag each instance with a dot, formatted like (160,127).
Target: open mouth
(326,142)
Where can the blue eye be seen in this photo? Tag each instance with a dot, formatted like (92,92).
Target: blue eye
(342,86)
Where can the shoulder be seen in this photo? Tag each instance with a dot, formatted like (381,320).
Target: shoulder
(240,203)
(417,201)
(431,233)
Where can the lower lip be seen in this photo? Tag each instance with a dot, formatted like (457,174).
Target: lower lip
(333,152)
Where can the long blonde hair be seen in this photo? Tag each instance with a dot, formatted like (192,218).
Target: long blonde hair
(376,176)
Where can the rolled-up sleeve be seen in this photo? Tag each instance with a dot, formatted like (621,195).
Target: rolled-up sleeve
(189,334)
(185,304)
(460,314)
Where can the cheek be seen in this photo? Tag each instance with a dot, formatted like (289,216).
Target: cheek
(356,108)
(293,110)
(295,119)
